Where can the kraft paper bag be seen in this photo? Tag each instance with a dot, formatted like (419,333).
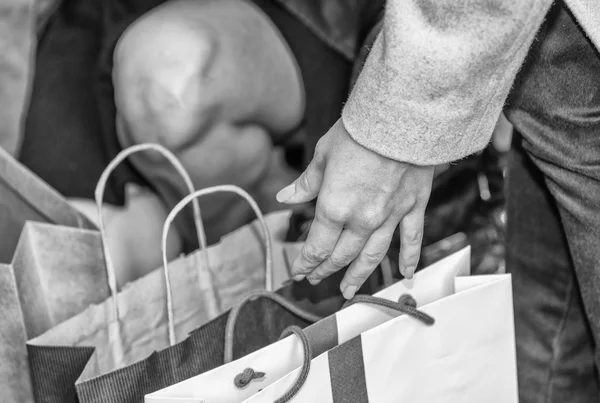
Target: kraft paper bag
(61,269)
(15,381)
(74,360)
(25,197)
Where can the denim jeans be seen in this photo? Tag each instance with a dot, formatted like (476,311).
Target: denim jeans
(553,228)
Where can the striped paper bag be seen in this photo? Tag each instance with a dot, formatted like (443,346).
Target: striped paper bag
(278,359)
(466,356)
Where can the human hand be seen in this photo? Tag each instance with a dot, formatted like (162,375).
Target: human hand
(362,197)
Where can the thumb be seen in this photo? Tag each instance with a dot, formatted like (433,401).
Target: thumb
(306,187)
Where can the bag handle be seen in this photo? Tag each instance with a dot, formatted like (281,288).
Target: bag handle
(406,304)
(99,196)
(180,206)
(235,313)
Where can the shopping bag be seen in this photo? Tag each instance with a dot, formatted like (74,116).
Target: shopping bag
(467,356)
(15,382)
(25,197)
(276,360)
(60,270)
(259,324)
(111,337)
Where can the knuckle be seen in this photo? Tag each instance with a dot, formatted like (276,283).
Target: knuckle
(374,257)
(413,237)
(409,201)
(356,277)
(304,181)
(314,256)
(370,219)
(339,260)
(333,214)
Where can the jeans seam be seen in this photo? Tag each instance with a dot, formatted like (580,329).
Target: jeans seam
(555,341)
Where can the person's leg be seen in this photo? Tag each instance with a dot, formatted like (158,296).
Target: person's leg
(554,215)
(213,81)
(554,342)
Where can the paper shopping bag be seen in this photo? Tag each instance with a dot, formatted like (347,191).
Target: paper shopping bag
(467,356)
(145,325)
(276,360)
(15,382)
(144,317)
(25,197)
(259,324)
(60,270)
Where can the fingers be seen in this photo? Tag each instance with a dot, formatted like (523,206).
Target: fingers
(411,236)
(319,245)
(367,260)
(308,184)
(336,240)
(348,246)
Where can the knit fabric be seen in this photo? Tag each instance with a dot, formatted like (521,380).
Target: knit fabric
(587,13)
(438,75)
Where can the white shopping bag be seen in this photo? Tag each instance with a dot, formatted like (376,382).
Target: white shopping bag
(217,386)
(466,356)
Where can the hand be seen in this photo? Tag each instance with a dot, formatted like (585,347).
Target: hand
(362,197)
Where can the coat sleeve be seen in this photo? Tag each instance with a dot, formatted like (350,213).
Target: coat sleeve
(437,76)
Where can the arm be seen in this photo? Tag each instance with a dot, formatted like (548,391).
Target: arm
(438,75)
(430,92)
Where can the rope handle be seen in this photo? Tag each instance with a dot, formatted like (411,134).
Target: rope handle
(193,196)
(406,304)
(235,313)
(303,375)
(99,196)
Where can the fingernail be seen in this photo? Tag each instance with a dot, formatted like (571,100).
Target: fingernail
(313,280)
(409,272)
(286,193)
(349,291)
(299,277)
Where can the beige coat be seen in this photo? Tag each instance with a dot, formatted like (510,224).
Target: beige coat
(438,75)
